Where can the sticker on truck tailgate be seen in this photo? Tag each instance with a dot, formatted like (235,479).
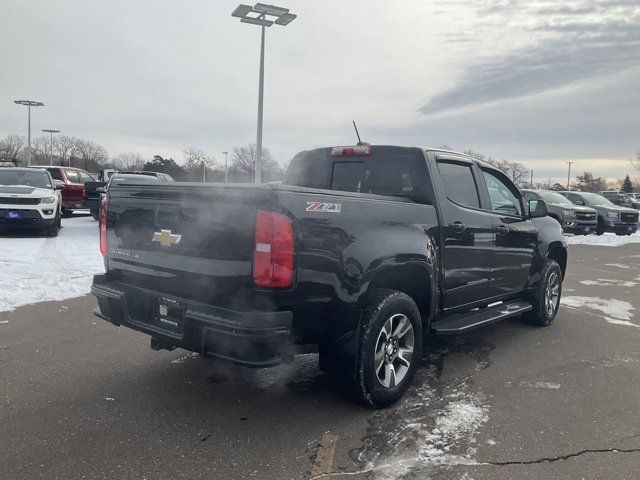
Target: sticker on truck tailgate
(324,207)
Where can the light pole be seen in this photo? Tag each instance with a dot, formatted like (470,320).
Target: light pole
(51,132)
(29,104)
(569,174)
(258,15)
(226,167)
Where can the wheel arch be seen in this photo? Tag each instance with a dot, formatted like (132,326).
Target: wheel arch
(415,280)
(558,253)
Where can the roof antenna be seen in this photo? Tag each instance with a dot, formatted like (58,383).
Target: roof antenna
(360,142)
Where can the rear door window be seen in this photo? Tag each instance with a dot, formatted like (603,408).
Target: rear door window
(459,184)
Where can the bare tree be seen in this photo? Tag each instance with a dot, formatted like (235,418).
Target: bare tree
(518,172)
(12,147)
(128,161)
(194,157)
(199,164)
(635,160)
(243,164)
(588,183)
(40,147)
(91,155)
(65,145)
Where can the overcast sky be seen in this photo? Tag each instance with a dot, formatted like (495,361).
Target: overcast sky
(541,82)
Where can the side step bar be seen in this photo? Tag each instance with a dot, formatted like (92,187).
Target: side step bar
(463,322)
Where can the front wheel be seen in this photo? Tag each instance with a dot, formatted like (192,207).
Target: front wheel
(390,348)
(95,214)
(52,230)
(546,299)
(600,228)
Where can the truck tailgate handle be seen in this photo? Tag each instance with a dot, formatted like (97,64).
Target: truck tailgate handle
(458,227)
(502,230)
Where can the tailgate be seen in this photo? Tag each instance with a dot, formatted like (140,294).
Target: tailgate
(192,241)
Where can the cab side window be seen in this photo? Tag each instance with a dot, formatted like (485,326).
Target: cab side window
(72,176)
(459,184)
(501,195)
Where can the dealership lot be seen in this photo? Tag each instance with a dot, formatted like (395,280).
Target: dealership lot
(84,399)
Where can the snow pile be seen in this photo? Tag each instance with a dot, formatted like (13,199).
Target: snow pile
(37,269)
(607,240)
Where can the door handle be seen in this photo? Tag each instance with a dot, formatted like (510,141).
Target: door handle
(502,230)
(458,227)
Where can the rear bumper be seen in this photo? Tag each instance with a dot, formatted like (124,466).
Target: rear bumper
(254,338)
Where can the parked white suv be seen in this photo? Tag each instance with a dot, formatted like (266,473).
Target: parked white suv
(29,198)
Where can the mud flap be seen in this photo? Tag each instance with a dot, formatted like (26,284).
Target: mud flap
(339,358)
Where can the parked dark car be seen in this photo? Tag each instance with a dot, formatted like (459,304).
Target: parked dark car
(94,190)
(573,218)
(611,217)
(621,199)
(73,181)
(360,252)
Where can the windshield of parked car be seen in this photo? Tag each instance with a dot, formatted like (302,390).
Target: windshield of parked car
(30,178)
(593,200)
(554,198)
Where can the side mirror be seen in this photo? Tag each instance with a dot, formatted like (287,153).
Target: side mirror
(579,202)
(538,208)
(58,186)
(101,190)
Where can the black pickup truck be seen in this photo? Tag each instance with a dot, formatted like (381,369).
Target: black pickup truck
(360,252)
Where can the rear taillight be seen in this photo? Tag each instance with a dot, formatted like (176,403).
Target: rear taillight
(274,251)
(103,228)
(84,192)
(357,151)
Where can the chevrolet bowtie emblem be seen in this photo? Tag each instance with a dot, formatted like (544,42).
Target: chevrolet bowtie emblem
(166,238)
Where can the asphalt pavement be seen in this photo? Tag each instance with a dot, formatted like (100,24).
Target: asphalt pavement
(80,398)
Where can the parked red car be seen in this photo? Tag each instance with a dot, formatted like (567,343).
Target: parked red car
(72,180)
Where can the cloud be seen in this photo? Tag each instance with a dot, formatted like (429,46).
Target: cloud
(575,42)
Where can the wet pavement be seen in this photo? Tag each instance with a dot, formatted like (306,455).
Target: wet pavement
(80,398)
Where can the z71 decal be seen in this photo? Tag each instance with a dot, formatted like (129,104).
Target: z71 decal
(324,207)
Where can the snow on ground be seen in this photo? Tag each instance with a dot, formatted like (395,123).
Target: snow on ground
(607,240)
(37,268)
(617,312)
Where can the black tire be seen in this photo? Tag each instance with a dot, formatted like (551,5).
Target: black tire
(386,306)
(95,214)
(600,228)
(66,213)
(52,230)
(542,314)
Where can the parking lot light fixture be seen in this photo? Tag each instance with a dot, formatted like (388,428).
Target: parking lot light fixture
(259,15)
(29,104)
(51,132)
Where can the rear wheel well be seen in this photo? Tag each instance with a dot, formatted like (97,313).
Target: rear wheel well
(413,280)
(559,254)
